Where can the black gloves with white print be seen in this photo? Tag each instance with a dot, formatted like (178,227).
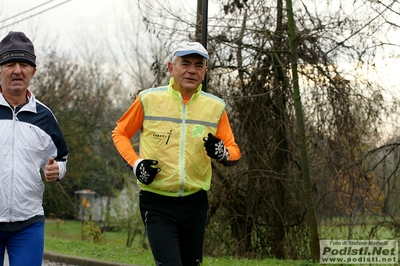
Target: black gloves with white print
(144,170)
(215,148)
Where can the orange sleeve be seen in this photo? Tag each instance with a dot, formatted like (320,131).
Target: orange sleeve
(224,132)
(130,123)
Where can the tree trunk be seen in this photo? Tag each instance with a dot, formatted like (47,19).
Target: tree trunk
(314,238)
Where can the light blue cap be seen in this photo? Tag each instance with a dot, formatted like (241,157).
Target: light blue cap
(186,48)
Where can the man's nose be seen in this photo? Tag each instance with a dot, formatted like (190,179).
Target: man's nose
(192,68)
(17,68)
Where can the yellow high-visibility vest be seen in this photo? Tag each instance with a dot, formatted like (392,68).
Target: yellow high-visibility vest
(173,133)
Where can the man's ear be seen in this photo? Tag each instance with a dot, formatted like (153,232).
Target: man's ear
(170,67)
(33,71)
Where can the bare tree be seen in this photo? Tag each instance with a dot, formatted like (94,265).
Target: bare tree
(301,134)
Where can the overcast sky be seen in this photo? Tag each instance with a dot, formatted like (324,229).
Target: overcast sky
(77,22)
(70,19)
(65,19)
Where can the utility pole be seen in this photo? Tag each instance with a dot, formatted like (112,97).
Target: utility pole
(201,25)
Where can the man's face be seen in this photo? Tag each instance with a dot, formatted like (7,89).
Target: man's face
(188,72)
(15,77)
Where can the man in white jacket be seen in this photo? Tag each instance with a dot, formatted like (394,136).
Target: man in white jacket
(30,140)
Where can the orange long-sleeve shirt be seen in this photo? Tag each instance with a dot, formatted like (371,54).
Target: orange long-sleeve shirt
(131,122)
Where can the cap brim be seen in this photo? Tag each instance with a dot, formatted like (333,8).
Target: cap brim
(17,60)
(188,52)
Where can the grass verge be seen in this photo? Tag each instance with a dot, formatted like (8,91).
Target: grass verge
(65,237)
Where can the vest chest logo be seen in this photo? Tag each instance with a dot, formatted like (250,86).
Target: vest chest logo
(198,131)
(162,136)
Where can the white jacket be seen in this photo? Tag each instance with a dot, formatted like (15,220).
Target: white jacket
(29,137)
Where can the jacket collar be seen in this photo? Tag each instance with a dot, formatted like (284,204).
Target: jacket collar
(29,106)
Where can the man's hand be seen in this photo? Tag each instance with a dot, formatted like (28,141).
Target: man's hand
(215,147)
(145,172)
(51,170)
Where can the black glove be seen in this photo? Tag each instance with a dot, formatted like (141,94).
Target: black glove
(144,171)
(215,147)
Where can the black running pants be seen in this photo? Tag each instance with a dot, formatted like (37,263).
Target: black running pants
(175,227)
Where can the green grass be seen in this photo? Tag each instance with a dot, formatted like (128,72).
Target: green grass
(65,237)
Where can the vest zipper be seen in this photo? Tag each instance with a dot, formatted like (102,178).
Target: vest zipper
(182,150)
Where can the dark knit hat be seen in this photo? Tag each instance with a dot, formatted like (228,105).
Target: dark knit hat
(16,47)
